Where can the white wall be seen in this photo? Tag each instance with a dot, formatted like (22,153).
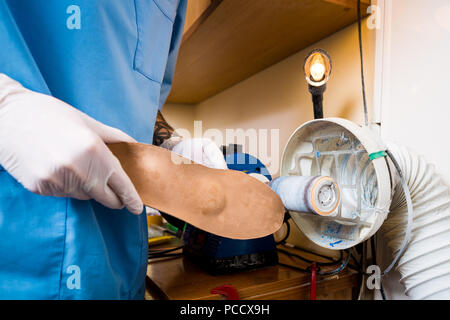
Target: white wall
(412,77)
(415,77)
(180,116)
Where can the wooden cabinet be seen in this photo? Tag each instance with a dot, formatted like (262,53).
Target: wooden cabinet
(227,41)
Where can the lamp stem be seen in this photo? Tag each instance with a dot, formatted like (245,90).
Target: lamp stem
(317,99)
(318,107)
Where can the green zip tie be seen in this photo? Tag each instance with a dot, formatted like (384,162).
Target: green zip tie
(377,155)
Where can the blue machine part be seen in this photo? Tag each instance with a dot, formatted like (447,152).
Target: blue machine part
(246,163)
(219,247)
(223,255)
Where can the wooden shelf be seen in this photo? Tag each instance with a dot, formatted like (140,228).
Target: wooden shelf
(234,39)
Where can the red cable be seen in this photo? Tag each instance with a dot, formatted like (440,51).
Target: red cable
(313,281)
(228,291)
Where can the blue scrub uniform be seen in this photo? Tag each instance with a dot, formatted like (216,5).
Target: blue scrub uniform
(113,60)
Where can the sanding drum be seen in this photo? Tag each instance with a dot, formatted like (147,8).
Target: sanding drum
(312,194)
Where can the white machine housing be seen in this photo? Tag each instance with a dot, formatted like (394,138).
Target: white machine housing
(340,149)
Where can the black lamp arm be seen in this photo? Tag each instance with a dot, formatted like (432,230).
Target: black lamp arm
(317,98)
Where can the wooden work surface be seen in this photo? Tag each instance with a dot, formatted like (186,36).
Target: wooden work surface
(180,279)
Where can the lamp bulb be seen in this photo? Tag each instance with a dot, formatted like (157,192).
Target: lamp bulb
(317,71)
(317,67)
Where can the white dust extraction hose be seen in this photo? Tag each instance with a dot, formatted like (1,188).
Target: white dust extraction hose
(425,264)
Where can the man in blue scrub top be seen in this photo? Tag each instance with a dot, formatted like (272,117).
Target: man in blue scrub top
(75,75)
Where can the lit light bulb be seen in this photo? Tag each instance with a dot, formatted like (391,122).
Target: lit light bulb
(317,67)
(317,71)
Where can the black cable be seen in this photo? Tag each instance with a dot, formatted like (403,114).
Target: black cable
(288,231)
(409,204)
(165,255)
(343,263)
(355,268)
(372,248)
(295,255)
(286,218)
(366,117)
(333,262)
(360,250)
(152,254)
(164,250)
(374,261)
(337,270)
(361,261)
(355,260)
(313,253)
(383,295)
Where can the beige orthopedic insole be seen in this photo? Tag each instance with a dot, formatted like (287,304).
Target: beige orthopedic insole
(223,202)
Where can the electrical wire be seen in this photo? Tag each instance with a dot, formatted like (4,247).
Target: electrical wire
(366,114)
(343,263)
(153,254)
(374,261)
(355,268)
(339,269)
(410,213)
(308,251)
(331,261)
(164,250)
(363,263)
(288,231)
(295,255)
(166,255)
(286,218)
(355,261)
(396,165)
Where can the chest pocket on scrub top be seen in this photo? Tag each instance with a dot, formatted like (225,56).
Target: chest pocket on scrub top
(154,20)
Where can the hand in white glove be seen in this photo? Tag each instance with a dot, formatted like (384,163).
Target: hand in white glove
(199,150)
(54,149)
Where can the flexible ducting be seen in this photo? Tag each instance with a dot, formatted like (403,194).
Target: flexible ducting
(425,264)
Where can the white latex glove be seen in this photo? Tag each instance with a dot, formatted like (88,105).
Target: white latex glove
(200,150)
(54,149)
